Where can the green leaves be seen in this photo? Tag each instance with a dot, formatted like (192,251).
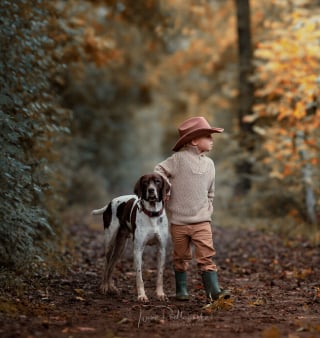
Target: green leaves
(32,124)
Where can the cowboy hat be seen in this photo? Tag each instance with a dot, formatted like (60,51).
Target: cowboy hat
(193,128)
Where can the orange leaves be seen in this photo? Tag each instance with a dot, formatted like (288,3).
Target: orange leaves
(287,61)
(314,161)
(298,274)
(257,302)
(83,32)
(299,111)
(263,52)
(100,49)
(270,147)
(287,64)
(218,305)
(287,170)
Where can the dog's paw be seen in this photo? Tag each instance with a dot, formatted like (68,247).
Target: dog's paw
(104,288)
(108,288)
(143,299)
(113,289)
(162,297)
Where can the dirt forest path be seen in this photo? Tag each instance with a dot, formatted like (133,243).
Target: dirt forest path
(275,286)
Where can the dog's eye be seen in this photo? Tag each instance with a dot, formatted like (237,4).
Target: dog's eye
(157,182)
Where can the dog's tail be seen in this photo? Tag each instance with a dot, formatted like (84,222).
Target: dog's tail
(99,211)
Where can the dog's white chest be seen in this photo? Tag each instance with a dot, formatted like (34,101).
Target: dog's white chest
(151,230)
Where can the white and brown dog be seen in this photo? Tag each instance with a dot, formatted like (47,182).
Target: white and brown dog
(142,215)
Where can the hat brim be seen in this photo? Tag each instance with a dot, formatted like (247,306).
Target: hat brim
(193,135)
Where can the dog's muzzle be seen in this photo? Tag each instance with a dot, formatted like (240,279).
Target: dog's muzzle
(152,195)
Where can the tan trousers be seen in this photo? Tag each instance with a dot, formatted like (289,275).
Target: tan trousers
(200,235)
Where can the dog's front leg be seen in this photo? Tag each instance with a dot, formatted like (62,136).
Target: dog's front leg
(138,250)
(161,262)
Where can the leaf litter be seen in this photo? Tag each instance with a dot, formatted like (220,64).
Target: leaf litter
(275,292)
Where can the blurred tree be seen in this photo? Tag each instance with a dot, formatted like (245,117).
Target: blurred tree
(246,90)
(246,94)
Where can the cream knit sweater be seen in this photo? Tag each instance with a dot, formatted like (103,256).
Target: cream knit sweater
(192,179)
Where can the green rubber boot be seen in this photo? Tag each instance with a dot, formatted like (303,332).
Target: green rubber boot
(211,285)
(181,285)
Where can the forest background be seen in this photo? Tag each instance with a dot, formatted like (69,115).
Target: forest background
(92,93)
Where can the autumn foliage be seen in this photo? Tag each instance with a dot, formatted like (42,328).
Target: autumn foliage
(88,86)
(286,113)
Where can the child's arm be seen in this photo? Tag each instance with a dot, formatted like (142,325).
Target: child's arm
(212,186)
(166,169)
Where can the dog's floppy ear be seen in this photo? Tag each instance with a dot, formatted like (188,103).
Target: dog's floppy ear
(137,188)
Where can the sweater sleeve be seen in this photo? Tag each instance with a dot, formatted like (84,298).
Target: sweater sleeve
(166,168)
(212,186)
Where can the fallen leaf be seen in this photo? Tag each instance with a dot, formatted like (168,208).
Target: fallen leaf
(78,329)
(291,335)
(301,329)
(272,332)
(80,298)
(85,329)
(257,302)
(123,321)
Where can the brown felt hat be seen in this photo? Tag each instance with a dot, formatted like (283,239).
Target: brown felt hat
(193,128)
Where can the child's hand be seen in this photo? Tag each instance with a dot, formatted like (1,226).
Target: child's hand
(166,198)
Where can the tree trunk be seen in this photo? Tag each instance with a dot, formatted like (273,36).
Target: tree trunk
(245,100)
(310,200)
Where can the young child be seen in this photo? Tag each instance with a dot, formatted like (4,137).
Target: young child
(191,175)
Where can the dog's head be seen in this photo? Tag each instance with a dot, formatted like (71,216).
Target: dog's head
(152,187)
